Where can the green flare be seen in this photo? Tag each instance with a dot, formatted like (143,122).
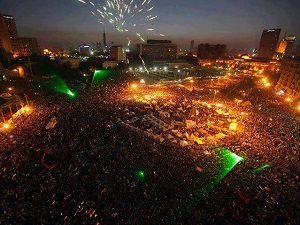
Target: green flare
(140,175)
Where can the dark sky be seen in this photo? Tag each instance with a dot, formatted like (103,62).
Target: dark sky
(237,23)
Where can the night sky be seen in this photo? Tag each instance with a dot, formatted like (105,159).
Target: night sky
(237,23)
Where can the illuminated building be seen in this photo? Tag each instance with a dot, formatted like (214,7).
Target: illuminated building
(24,46)
(11,25)
(289,81)
(207,51)
(5,33)
(285,47)
(158,50)
(268,43)
(11,42)
(117,53)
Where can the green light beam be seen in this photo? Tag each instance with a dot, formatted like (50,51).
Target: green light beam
(100,75)
(59,85)
(227,161)
(258,170)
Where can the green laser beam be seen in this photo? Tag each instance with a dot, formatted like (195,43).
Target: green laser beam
(100,75)
(59,85)
(258,170)
(227,160)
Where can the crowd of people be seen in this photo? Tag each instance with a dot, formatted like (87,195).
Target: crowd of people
(89,169)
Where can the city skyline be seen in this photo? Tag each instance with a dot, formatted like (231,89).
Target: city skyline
(238,24)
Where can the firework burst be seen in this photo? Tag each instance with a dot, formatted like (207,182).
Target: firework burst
(123,14)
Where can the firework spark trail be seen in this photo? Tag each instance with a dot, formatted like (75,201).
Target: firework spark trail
(123,14)
(82,1)
(143,62)
(120,12)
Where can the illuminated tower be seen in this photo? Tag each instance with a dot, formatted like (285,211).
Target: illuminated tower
(268,43)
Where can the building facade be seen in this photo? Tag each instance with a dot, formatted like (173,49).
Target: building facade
(11,42)
(158,50)
(268,43)
(24,46)
(118,53)
(5,34)
(207,51)
(285,47)
(289,81)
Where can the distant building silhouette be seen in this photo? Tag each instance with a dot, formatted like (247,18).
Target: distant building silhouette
(99,47)
(84,49)
(118,53)
(268,43)
(158,50)
(104,42)
(207,51)
(192,47)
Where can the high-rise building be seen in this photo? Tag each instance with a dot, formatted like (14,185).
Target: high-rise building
(11,25)
(285,46)
(24,46)
(207,51)
(158,50)
(104,42)
(268,43)
(118,53)
(192,47)
(11,42)
(5,34)
(289,82)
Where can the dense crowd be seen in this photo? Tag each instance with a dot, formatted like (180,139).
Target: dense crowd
(87,169)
